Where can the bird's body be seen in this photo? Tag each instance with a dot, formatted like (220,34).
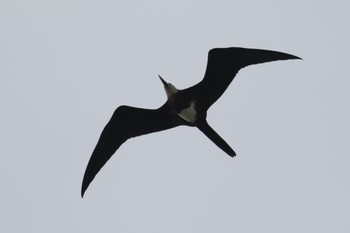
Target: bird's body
(183,107)
(189,114)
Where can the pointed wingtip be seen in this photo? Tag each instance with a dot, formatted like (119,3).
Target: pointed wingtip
(282,56)
(295,57)
(86,182)
(83,189)
(82,193)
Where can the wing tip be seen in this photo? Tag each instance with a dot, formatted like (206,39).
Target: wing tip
(243,50)
(87,179)
(84,187)
(290,56)
(82,193)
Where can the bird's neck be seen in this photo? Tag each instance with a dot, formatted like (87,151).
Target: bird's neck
(171,90)
(185,108)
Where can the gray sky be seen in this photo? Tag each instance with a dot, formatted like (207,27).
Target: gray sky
(66,65)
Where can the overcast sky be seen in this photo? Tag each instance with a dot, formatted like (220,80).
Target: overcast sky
(66,65)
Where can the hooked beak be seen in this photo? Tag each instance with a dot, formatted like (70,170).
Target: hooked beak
(164,83)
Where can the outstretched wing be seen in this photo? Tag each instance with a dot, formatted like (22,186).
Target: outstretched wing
(224,63)
(126,122)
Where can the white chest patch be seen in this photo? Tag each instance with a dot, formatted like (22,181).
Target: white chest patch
(189,114)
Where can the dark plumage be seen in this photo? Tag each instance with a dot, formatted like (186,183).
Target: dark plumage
(183,107)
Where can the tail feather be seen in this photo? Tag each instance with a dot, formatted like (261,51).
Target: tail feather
(214,137)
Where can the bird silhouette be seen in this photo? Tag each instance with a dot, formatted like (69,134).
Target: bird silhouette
(183,107)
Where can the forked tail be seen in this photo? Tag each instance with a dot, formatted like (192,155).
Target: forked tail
(214,137)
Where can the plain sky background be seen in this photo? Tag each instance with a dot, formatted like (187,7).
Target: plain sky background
(66,65)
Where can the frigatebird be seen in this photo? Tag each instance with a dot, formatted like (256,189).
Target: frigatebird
(183,107)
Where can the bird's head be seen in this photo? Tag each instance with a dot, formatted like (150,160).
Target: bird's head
(170,89)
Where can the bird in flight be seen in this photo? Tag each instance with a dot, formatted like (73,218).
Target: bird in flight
(183,107)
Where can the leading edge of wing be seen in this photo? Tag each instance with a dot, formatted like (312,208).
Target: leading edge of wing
(224,60)
(126,122)
(224,63)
